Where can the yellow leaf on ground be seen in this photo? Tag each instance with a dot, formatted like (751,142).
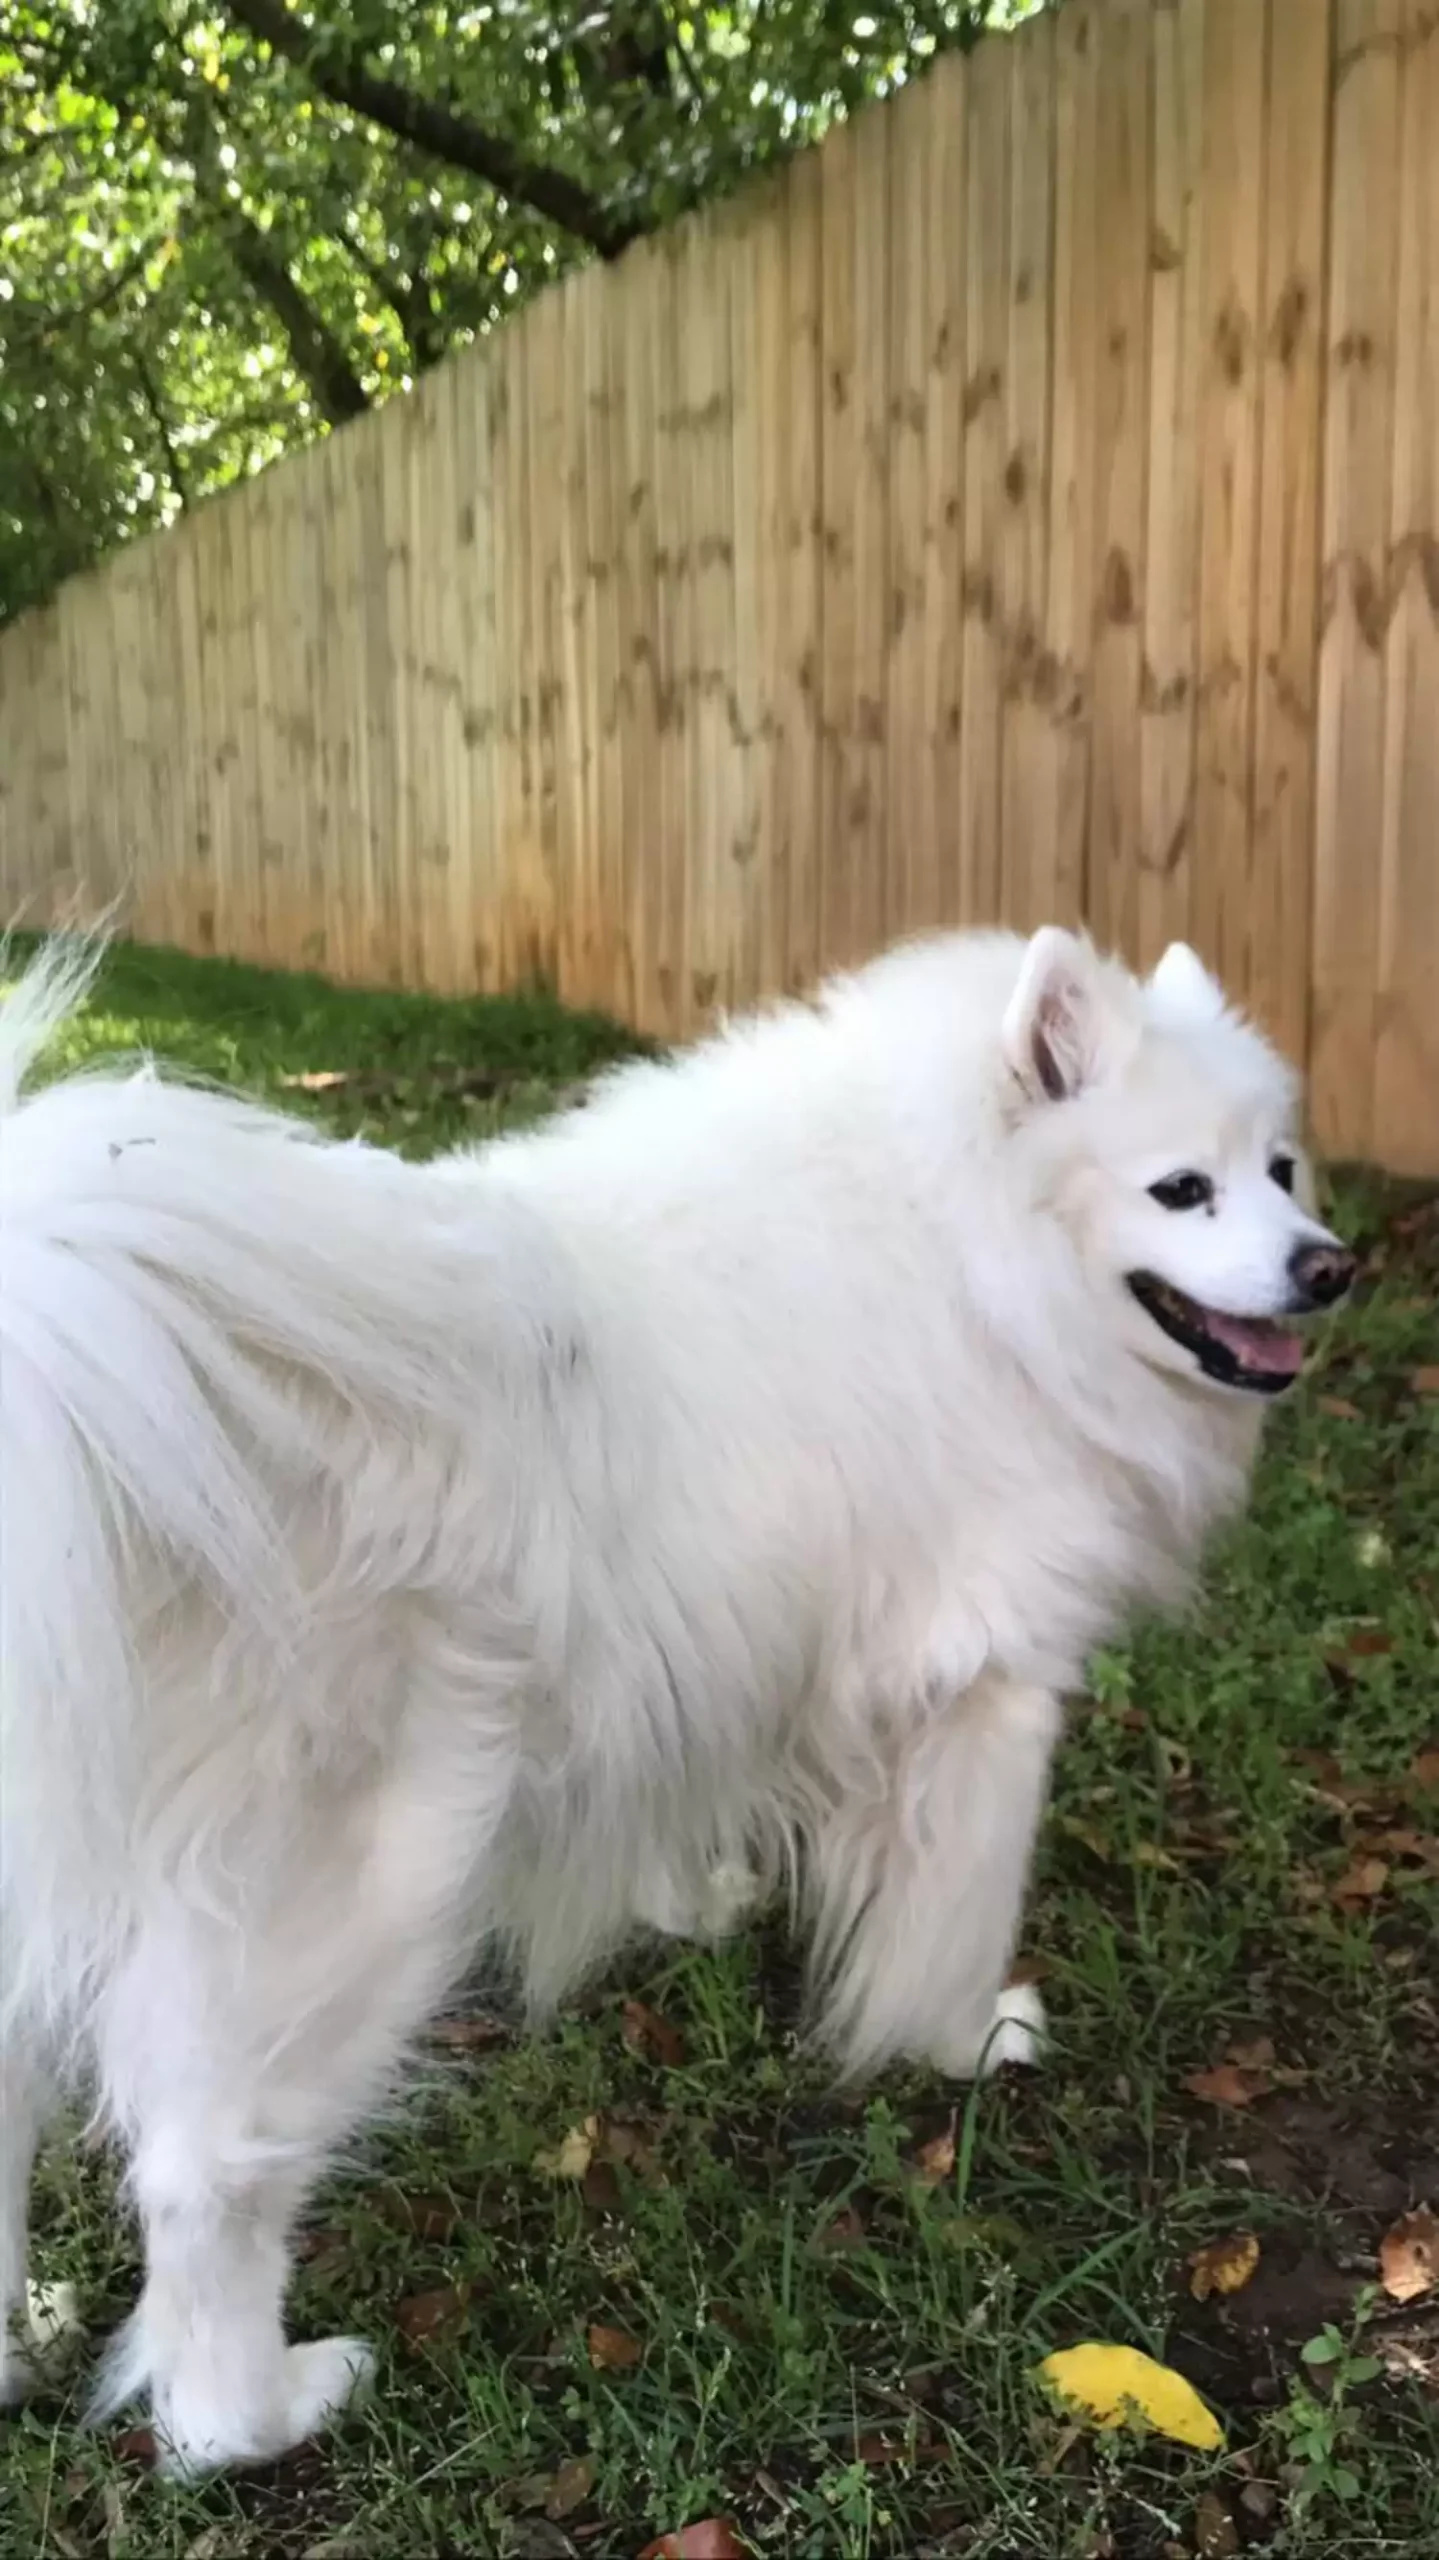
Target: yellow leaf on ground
(574,2154)
(1225,2266)
(1121,2386)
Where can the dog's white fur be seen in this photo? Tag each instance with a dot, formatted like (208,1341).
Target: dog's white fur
(728,1479)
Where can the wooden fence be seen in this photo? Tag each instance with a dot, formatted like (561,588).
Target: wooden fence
(1025,506)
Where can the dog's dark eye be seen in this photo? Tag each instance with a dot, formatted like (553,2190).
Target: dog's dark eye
(1281,1170)
(1183,1191)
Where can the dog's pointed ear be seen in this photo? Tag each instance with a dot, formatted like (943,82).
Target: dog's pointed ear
(1185,987)
(1056,1024)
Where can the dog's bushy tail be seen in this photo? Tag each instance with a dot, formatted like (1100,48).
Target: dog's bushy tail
(108,1442)
(206,1311)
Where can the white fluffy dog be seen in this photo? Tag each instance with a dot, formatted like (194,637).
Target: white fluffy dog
(730,1476)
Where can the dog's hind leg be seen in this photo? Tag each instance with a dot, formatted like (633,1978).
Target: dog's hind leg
(25,2095)
(918,1897)
(236,2060)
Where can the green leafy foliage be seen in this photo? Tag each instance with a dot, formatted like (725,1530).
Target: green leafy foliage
(220,236)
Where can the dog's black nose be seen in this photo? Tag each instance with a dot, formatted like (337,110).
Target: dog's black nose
(1321,1273)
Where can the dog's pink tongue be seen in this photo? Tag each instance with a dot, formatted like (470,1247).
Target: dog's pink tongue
(1257,1346)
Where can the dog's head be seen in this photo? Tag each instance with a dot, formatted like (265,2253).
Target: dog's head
(1163,1132)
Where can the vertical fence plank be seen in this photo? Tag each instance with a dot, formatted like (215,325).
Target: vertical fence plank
(1168,678)
(1066,676)
(934,863)
(1287,577)
(864,762)
(1234,139)
(641,707)
(1026,728)
(987,291)
(907,783)
(1404,1131)
(714,824)
(477,892)
(805,565)
(1360,357)
(762,344)
(604,521)
(757,377)
(1121,449)
(839,470)
(670,880)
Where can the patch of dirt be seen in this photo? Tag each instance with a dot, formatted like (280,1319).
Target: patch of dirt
(1357,2162)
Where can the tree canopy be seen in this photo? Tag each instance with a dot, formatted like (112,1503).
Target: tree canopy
(227,225)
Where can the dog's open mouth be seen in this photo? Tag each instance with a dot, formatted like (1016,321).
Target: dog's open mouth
(1237,1351)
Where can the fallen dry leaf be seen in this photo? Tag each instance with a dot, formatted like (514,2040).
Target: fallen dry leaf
(1421,1846)
(424,2318)
(715,2539)
(1409,2256)
(1362,1882)
(1368,1641)
(1255,2053)
(613,2350)
(875,2450)
(601,2188)
(1115,2386)
(1216,2536)
(631,2145)
(1026,1970)
(136,2444)
(845,2232)
(1226,2085)
(569,2488)
(1257,2501)
(1425,1380)
(645,2031)
(467,2035)
(934,2161)
(1090,1837)
(322,2248)
(1424,1772)
(316,1080)
(1338,1408)
(1224,2266)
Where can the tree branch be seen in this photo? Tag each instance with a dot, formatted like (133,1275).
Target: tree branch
(441,131)
(150,393)
(45,320)
(319,357)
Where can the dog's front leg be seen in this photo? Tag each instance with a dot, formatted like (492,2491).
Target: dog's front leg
(918,1896)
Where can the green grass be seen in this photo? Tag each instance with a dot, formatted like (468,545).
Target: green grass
(831,2352)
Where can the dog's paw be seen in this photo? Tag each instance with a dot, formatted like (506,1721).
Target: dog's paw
(321,2380)
(727,1896)
(710,1908)
(1018,2030)
(317,2382)
(1014,2032)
